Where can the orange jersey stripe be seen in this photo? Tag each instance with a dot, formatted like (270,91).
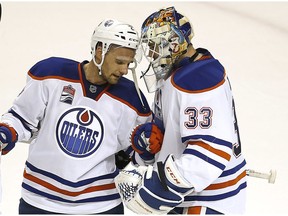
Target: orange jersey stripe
(128,104)
(198,91)
(194,210)
(65,192)
(52,77)
(81,80)
(211,149)
(226,184)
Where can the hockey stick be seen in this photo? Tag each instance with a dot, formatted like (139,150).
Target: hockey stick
(271,177)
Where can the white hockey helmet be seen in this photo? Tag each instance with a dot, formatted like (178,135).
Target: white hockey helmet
(111,31)
(165,35)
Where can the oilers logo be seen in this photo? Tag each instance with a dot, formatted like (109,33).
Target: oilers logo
(79,132)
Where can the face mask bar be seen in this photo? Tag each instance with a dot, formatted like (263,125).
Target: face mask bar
(157,54)
(150,79)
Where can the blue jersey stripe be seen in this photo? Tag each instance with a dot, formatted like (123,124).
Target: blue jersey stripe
(53,197)
(69,183)
(22,120)
(204,157)
(208,138)
(234,170)
(217,197)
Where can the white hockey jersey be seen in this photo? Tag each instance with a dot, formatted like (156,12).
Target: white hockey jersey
(195,107)
(74,129)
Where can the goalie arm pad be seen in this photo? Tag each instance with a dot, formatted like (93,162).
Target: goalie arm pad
(174,179)
(129,180)
(159,191)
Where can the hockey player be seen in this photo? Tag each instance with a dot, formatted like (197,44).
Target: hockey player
(76,116)
(200,167)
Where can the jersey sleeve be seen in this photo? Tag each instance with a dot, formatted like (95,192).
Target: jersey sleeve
(207,130)
(131,119)
(27,109)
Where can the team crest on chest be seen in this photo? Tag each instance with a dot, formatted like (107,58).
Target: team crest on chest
(79,132)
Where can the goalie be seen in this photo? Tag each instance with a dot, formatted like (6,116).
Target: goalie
(200,168)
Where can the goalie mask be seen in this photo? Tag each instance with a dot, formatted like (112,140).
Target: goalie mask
(165,35)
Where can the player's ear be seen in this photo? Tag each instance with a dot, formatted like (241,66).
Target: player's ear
(99,49)
(98,54)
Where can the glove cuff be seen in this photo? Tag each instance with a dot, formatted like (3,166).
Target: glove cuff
(174,178)
(13,134)
(132,137)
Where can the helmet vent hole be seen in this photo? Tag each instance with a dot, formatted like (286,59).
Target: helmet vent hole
(131,32)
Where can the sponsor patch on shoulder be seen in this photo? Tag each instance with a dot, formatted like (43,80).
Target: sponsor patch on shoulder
(67,94)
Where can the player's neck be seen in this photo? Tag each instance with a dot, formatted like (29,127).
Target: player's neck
(92,74)
(191,51)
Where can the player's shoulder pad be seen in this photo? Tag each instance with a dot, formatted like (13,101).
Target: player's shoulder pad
(199,76)
(55,67)
(125,91)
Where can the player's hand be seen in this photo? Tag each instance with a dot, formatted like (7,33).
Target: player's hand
(146,140)
(8,138)
(149,191)
(129,180)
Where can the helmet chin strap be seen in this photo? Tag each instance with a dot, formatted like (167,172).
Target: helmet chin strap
(105,49)
(99,65)
(193,57)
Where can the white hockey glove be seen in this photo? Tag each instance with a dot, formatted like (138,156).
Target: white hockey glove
(157,192)
(129,180)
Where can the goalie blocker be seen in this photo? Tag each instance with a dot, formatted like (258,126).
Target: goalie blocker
(148,191)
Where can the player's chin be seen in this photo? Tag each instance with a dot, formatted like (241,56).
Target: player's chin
(113,81)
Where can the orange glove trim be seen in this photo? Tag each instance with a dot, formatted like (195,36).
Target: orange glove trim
(155,140)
